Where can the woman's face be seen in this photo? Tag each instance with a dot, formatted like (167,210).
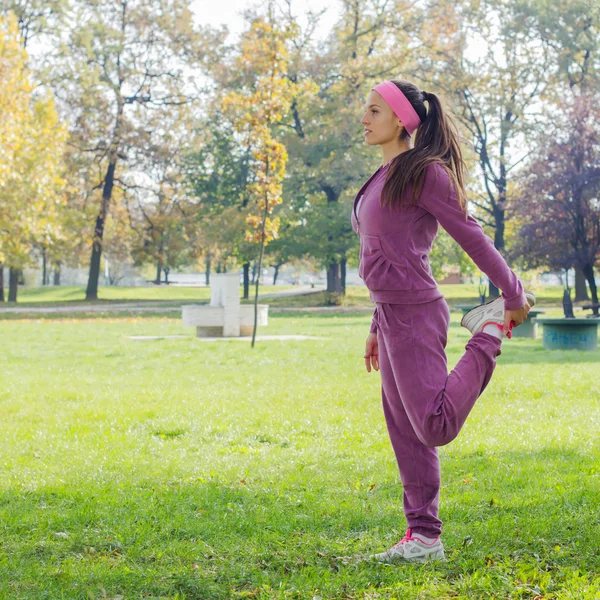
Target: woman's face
(380,123)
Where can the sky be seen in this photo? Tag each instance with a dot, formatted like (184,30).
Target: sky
(228,12)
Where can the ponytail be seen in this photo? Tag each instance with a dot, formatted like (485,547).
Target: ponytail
(436,141)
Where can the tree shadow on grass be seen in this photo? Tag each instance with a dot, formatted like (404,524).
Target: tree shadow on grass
(213,539)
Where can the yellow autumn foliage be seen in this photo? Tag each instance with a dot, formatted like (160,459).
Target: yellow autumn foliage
(260,105)
(32,142)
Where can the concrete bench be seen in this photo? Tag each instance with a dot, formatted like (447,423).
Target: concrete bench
(570,334)
(225,316)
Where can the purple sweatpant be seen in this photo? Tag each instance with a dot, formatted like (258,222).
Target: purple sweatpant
(424,407)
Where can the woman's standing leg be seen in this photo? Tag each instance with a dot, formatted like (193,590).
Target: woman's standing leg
(418,464)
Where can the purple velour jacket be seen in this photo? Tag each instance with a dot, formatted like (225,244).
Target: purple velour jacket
(395,243)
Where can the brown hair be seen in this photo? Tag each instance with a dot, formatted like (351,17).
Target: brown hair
(436,141)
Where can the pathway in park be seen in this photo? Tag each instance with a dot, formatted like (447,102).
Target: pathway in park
(70,308)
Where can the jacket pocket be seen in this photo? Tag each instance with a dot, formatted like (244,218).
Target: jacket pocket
(377,270)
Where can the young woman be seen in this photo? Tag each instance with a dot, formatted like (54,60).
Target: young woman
(396,215)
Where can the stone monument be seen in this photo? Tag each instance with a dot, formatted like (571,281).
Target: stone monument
(225,316)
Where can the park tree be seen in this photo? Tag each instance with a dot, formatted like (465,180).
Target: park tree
(570,35)
(258,107)
(218,171)
(328,157)
(35,18)
(76,215)
(288,246)
(559,197)
(493,71)
(32,142)
(158,199)
(325,234)
(447,253)
(125,64)
(163,237)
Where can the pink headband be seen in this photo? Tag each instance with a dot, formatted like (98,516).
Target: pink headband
(399,103)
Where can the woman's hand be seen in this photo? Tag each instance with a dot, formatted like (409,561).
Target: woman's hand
(372,353)
(516,317)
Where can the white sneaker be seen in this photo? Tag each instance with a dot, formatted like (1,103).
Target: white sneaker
(412,549)
(490,313)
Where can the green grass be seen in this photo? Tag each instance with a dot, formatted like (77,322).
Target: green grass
(183,469)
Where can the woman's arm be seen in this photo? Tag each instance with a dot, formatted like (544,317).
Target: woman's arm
(439,198)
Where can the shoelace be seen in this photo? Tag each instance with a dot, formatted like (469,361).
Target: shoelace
(407,538)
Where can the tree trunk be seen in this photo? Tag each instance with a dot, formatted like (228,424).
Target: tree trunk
(581,292)
(92,287)
(13,284)
(246,281)
(276,274)
(494,292)
(44,268)
(1,282)
(158,271)
(167,271)
(160,261)
(343,275)
(57,274)
(588,270)
(334,283)
(208,269)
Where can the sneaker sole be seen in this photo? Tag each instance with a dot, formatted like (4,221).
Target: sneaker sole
(434,556)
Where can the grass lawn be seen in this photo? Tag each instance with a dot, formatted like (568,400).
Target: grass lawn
(190,470)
